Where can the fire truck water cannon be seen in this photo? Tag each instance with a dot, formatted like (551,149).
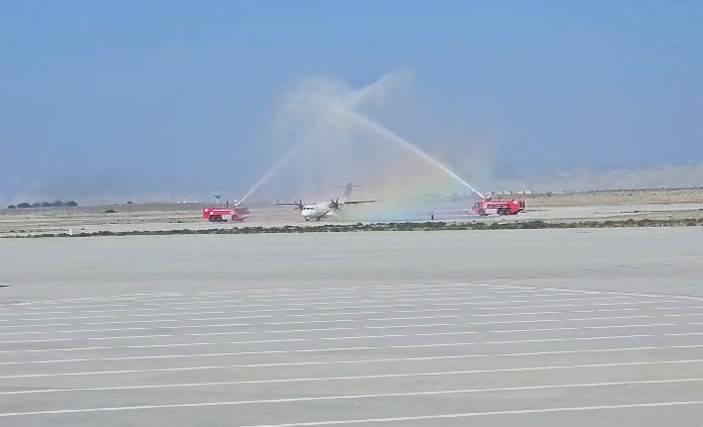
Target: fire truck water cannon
(498,207)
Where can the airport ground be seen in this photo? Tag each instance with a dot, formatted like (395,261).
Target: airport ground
(674,205)
(580,327)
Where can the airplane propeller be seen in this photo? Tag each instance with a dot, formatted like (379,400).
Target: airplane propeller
(335,204)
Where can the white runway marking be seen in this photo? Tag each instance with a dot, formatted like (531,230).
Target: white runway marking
(483,414)
(105,316)
(342,397)
(580,291)
(341,314)
(262,316)
(283,331)
(562,331)
(222,325)
(353,290)
(357,377)
(268,307)
(343,362)
(359,337)
(295,322)
(245,309)
(293,295)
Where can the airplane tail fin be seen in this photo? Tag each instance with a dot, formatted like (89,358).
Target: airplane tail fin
(348,190)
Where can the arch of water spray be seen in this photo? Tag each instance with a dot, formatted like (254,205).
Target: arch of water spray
(347,111)
(407,145)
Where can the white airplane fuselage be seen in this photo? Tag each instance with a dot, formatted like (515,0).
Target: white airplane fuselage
(316,211)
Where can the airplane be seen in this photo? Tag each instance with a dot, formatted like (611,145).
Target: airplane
(320,210)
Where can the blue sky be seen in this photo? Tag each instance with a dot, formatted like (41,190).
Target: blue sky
(148,97)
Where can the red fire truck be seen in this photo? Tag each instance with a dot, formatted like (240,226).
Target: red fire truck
(499,207)
(235,214)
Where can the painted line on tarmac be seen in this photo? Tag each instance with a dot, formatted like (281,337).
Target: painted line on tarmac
(343,306)
(366,307)
(535,313)
(438,307)
(234,292)
(262,316)
(343,362)
(340,329)
(222,325)
(179,327)
(314,350)
(598,304)
(299,315)
(484,414)
(350,290)
(293,297)
(115,316)
(358,377)
(416,346)
(317,290)
(201,334)
(340,338)
(580,291)
(360,396)
(242,304)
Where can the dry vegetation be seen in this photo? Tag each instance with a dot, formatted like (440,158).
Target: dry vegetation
(618,197)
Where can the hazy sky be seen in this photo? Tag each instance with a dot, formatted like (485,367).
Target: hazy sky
(132,98)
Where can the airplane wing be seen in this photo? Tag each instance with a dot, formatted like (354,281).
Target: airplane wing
(358,202)
(298,205)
